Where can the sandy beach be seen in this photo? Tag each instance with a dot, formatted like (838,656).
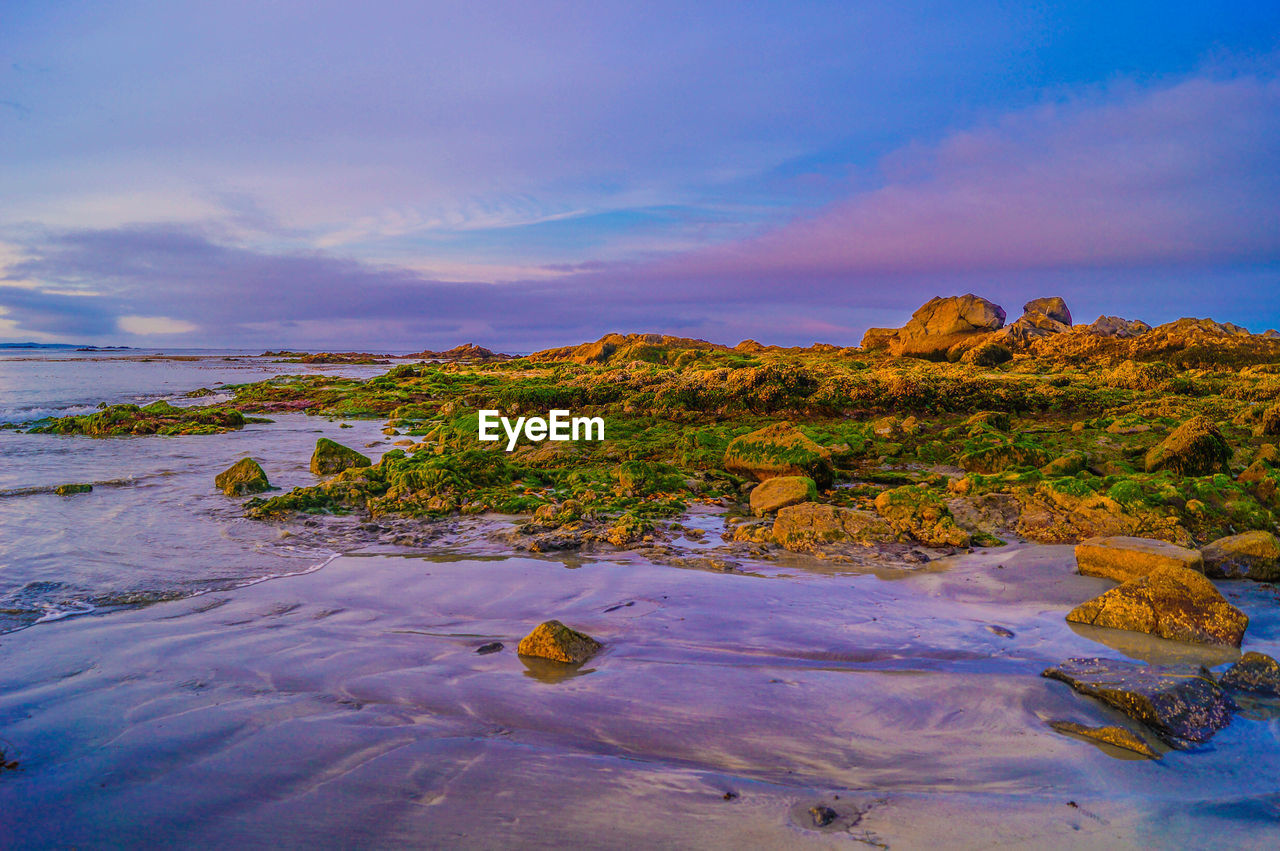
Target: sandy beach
(349,706)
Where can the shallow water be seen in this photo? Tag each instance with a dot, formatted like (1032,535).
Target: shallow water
(154,525)
(349,707)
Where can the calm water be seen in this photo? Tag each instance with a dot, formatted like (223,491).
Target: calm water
(154,525)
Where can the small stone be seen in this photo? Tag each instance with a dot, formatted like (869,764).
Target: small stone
(557,642)
(491,647)
(1256,673)
(1119,737)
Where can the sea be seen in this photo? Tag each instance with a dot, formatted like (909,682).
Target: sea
(154,527)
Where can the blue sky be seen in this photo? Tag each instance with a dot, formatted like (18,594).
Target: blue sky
(414,175)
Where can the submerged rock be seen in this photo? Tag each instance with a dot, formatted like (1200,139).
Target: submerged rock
(331,457)
(1255,673)
(243,477)
(781,491)
(780,449)
(68,490)
(1250,555)
(810,525)
(1181,704)
(1123,558)
(1119,737)
(557,642)
(1169,602)
(1195,448)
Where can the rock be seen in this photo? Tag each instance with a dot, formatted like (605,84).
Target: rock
(243,477)
(68,490)
(1000,456)
(921,513)
(491,647)
(1255,673)
(1249,555)
(1270,421)
(1123,558)
(1182,704)
(987,354)
(1267,454)
(998,420)
(1118,737)
(941,323)
(781,491)
(780,449)
(1066,465)
(331,457)
(1114,326)
(1261,480)
(1169,602)
(1053,307)
(823,816)
(879,339)
(557,642)
(810,525)
(1195,448)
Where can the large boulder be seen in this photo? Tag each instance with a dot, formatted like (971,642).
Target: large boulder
(780,449)
(1182,704)
(781,491)
(879,339)
(941,323)
(243,477)
(1255,673)
(1169,602)
(1249,555)
(1052,307)
(1042,317)
(331,457)
(811,526)
(922,514)
(1123,558)
(1195,448)
(557,642)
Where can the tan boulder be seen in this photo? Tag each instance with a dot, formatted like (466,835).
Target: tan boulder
(1169,602)
(941,323)
(1249,555)
(1123,558)
(879,339)
(781,491)
(557,642)
(810,526)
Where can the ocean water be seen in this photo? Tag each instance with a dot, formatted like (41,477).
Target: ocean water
(154,526)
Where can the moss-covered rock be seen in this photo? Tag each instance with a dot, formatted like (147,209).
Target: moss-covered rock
(923,514)
(241,478)
(1169,602)
(159,418)
(1195,448)
(69,489)
(1070,464)
(557,642)
(1249,555)
(780,449)
(1183,705)
(812,526)
(331,457)
(1123,558)
(781,491)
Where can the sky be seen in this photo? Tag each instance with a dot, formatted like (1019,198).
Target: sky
(394,176)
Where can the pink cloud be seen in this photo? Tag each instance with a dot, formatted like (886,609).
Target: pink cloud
(1186,173)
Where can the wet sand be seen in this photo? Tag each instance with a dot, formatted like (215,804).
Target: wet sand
(348,707)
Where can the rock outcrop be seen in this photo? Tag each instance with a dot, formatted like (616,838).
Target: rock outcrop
(938,325)
(1169,602)
(1042,317)
(242,478)
(1115,327)
(1183,705)
(1249,555)
(1124,558)
(780,449)
(557,642)
(1195,448)
(781,491)
(331,457)
(625,348)
(1255,673)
